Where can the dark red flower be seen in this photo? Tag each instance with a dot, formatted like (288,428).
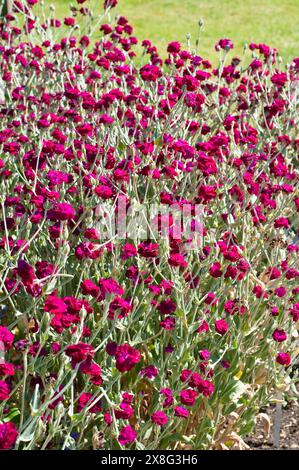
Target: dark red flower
(79,352)
(8,435)
(126,357)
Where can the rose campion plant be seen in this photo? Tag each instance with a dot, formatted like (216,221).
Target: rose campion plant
(140,339)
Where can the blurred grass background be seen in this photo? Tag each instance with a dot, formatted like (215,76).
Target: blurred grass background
(274,22)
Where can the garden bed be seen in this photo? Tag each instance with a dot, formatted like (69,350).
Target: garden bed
(289,433)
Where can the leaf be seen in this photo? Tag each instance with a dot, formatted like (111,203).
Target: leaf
(140,446)
(238,390)
(261,376)
(29,432)
(236,442)
(148,433)
(11,415)
(189,439)
(266,423)
(295,352)
(121,146)
(174,437)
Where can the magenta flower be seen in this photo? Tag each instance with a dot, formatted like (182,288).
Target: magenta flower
(6,369)
(188,396)
(103,191)
(6,337)
(159,418)
(174,47)
(279,335)
(149,372)
(85,400)
(126,357)
(8,435)
(4,390)
(283,358)
(221,327)
(127,435)
(181,412)
(61,211)
(224,44)
(167,307)
(79,352)
(282,222)
(148,250)
(110,286)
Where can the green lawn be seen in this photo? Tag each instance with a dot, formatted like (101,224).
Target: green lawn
(274,22)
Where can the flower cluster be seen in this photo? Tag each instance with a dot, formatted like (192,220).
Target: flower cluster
(133,340)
